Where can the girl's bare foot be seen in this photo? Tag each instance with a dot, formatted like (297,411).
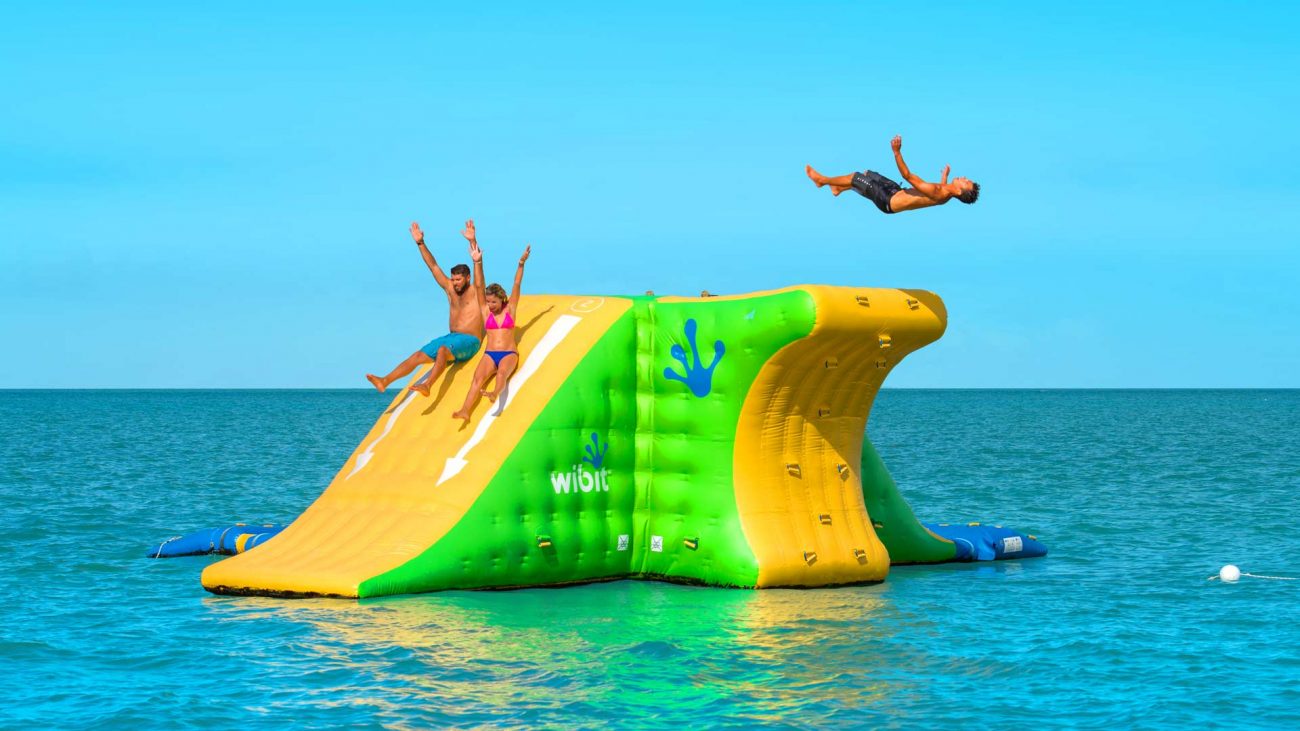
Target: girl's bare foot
(462,415)
(377,382)
(421,387)
(491,395)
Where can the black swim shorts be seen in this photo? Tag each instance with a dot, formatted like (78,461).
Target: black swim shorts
(877,188)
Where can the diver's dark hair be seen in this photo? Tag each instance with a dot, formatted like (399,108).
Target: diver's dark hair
(972,195)
(499,292)
(461,269)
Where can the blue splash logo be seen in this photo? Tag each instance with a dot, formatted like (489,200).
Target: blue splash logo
(698,378)
(581,479)
(595,452)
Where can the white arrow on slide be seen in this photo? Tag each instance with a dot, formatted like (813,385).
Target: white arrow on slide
(363,459)
(563,325)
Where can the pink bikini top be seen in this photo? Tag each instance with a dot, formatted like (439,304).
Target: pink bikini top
(507,323)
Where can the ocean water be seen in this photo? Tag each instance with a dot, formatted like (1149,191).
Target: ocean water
(1140,495)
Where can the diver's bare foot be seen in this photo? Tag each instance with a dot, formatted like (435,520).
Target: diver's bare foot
(421,387)
(491,395)
(837,189)
(816,177)
(377,382)
(462,415)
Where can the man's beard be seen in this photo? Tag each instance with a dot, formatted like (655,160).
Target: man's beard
(461,289)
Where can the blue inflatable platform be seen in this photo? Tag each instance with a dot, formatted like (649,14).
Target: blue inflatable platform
(227,540)
(977,542)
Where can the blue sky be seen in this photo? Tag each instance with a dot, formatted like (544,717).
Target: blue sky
(218,196)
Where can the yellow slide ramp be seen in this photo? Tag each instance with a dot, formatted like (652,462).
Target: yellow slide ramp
(418,470)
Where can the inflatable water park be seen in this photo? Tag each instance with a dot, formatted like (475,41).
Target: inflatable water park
(713,440)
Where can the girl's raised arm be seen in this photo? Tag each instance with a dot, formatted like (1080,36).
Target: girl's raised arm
(476,255)
(519,279)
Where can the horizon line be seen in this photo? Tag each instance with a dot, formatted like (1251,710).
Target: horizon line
(883,388)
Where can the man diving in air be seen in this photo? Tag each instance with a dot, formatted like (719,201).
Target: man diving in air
(466,318)
(890,197)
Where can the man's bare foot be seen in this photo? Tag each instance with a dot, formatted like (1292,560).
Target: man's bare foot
(837,189)
(463,415)
(815,176)
(377,382)
(421,387)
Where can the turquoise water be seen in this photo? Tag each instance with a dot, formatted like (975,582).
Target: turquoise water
(1140,494)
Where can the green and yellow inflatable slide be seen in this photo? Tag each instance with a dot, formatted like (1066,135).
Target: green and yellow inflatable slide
(712,440)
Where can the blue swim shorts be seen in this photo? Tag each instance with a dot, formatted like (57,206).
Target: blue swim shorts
(462,346)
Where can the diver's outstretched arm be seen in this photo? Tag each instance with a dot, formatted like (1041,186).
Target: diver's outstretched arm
(929,190)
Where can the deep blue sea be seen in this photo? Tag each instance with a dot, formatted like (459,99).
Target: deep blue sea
(1140,496)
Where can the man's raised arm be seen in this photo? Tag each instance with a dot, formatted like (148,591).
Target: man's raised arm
(429,261)
(929,190)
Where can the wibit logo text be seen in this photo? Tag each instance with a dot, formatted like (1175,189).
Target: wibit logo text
(582,478)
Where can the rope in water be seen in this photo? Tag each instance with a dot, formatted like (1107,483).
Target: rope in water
(1275,578)
(164,545)
(1219,577)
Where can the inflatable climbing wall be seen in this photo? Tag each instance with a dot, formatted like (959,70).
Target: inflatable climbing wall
(714,440)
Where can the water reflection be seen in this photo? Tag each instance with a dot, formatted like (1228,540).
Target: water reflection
(652,651)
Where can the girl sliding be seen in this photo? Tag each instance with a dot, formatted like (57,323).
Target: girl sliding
(501,356)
